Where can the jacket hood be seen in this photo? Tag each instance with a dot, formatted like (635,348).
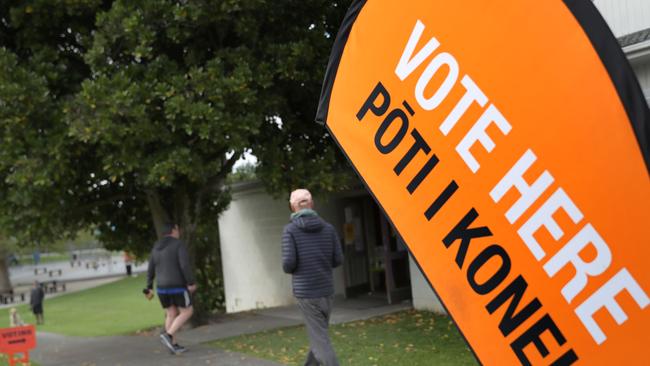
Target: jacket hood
(310,224)
(163,243)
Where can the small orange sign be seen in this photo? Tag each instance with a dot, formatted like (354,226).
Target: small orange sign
(17,340)
(507,142)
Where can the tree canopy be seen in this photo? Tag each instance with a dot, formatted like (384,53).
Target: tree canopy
(112,111)
(120,115)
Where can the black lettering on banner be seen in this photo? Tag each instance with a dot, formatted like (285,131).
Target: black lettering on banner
(569,358)
(419,144)
(408,108)
(514,292)
(423,173)
(495,280)
(392,116)
(377,110)
(515,314)
(465,234)
(441,200)
(532,335)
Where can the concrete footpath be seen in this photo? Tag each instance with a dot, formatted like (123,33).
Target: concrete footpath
(147,350)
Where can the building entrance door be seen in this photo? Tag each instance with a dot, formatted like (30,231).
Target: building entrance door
(355,249)
(376,261)
(396,263)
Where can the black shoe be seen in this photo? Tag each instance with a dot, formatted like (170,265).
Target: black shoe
(178,349)
(166,339)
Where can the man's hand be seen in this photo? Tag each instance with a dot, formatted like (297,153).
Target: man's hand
(191,288)
(148,294)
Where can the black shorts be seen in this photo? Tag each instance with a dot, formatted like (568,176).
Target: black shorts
(181,300)
(37,309)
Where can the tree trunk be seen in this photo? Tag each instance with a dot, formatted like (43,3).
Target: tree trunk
(188,226)
(158,213)
(5,280)
(181,215)
(185,209)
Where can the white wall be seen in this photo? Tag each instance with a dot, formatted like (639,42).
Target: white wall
(625,16)
(250,231)
(423,296)
(251,250)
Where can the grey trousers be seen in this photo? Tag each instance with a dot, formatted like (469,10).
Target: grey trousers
(316,313)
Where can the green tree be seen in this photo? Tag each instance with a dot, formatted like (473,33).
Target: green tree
(41,65)
(121,115)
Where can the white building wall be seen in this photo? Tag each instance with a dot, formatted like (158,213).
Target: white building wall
(251,251)
(250,233)
(423,296)
(625,16)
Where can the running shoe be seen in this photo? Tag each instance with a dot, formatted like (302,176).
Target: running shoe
(178,349)
(166,339)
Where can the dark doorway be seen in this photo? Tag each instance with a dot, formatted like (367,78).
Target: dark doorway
(376,261)
(396,263)
(355,242)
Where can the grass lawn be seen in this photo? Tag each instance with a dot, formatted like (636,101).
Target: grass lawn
(406,338)
(111,309)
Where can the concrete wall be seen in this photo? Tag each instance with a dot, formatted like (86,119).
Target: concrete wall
(251,232)
(625,16)
(423,297)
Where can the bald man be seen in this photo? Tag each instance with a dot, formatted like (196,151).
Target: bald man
(310,250)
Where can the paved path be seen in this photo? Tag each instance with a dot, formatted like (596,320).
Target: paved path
(129,350)
(143,350)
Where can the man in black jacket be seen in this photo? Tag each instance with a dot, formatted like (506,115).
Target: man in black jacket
(170,263)
(36,302)
(310,250)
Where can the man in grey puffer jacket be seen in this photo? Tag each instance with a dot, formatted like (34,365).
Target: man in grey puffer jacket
(310,249)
